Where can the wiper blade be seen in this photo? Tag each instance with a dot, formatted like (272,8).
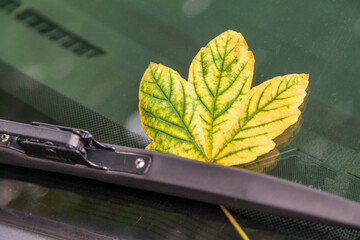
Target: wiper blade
(75,152)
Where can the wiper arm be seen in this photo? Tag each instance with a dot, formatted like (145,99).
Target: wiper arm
(75,152)
(69,145)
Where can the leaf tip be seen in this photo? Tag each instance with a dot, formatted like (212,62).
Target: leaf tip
(231,31)
(234,34)
(152,64)
(304,76)
(251,58)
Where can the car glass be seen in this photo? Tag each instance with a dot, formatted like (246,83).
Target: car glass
(79,63)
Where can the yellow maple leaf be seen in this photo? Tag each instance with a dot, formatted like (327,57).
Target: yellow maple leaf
(216,116)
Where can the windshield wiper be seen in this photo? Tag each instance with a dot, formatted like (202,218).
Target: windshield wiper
(69,145)
(75,152)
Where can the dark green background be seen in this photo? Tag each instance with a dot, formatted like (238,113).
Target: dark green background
(321,38)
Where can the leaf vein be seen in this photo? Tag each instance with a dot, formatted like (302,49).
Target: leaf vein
(161,119)
(211,133)
(237,151)
(152,96)
(168,134)
(199,148)
(249,118)
(233,81)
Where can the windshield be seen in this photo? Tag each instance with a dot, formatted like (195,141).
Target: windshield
(79,64)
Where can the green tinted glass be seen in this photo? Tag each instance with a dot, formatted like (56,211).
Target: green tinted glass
(79,63)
